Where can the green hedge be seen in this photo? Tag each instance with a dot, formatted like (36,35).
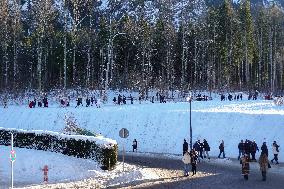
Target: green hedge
(87,147)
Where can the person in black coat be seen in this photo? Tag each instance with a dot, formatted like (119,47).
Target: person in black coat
(241,148)
(134,145)
(248,148)
(193,158)
(222,149)
(119,99)
(206,148)
(264,149)
(88,102)
(254,148)
(184,147)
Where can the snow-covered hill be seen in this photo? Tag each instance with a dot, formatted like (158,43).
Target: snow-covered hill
(161,128)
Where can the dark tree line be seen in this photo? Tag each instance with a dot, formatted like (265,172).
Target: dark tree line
(142,44)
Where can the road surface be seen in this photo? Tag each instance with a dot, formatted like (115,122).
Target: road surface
(209,176)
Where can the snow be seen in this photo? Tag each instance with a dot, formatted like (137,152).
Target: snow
(99,140)
(62,169)
(158,128)
(165,124)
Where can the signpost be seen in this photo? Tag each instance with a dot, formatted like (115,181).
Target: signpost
(12,159)
(45,174)
(123,133)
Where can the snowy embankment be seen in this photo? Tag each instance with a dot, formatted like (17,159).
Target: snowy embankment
(161,128)
(62,169)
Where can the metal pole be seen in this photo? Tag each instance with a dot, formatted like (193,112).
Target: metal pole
(123,157)
(12,167)
(190,129)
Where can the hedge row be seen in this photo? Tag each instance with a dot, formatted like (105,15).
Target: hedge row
(100,149)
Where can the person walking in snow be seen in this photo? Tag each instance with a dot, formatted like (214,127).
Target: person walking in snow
(200,150)
(263,165)
(275,150)
(206,149)
(88,102)
(254,148)
(134,145)
(184,147)
(186,159)
(193,160)
(131,99)
(222,149)
(241,148)
(245,166)
(264,149)
(248,148)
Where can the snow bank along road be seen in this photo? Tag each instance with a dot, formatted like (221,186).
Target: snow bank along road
(209,176)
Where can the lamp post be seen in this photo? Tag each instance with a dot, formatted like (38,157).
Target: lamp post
(189,99)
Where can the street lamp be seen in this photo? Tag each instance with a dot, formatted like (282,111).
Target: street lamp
(189,99)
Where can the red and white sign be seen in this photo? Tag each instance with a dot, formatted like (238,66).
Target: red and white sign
(45,173)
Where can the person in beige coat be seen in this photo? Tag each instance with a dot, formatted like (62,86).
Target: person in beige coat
(186,159)
(263,165)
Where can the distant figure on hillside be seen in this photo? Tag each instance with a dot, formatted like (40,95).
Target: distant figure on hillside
(34,104)
(39,104)
(131,99)
(264,165)
(79,102)
(184,147)
(134,145)
(114,100)
(92,101)
(5,102)
(245,166)
(223,97)
(98,103)
(222,149)
(124,99)
(45,102)
(241,96)
(152,99)
(119,99)
(275,150)
(88,102)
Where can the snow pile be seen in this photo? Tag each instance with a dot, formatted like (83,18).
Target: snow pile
(64,170)
(99,140)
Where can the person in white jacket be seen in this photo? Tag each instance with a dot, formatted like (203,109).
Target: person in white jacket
(186,160)
(275,149)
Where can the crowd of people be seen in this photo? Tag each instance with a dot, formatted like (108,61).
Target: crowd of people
(231,97)
(247,152)
(39,103)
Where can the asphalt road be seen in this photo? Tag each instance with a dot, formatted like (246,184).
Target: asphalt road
(209,176)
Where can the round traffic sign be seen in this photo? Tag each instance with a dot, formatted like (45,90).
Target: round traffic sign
(123,133)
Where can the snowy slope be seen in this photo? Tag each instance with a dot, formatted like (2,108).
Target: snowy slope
(62,169)
(161,128)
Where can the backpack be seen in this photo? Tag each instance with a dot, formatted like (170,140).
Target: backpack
(277,148)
